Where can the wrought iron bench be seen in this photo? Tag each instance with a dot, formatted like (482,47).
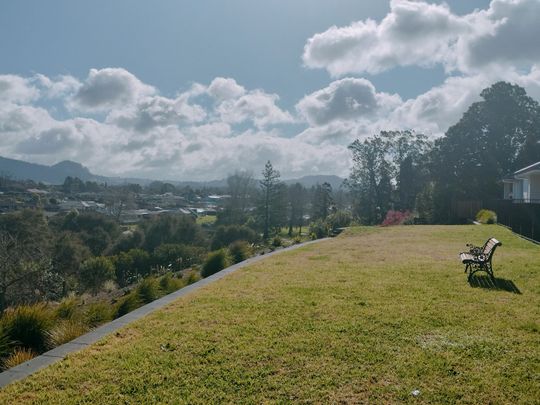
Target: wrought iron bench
(479,258)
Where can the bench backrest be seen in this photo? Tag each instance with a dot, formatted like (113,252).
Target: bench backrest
(490,246)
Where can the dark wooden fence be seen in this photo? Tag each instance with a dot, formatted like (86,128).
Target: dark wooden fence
(522,218)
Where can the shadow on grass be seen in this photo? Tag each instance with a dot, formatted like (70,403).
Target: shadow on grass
(497,284)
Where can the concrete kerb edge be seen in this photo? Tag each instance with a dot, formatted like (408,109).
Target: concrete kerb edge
(59,353)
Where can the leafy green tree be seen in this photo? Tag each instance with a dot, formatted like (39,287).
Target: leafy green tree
(226,235)
(297,206)
(322,201)
(495,136)
(172,229)
(25,255)
(241,189)
(177,256)
(95,271)
(68,254)
(272,201)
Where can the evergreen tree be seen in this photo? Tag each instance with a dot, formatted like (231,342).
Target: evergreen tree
(272,200)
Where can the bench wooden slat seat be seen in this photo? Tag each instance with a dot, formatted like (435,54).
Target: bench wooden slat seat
(480,258)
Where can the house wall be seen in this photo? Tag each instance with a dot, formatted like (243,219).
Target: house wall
(534,187)
(517,191)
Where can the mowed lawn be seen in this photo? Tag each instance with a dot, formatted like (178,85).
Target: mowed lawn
(367,317)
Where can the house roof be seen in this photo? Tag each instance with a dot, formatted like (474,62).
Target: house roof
(531,168)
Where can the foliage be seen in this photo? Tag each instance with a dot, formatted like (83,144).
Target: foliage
(215,262)
(28,325)
(128,303)
(323,202)
(272,201)
(319,229)
(486,217)
(277,241)
(241,189)
(339,219)
(495,136)
(67,308)
(177,257)
(97,313)
(65,331)
(19,356)
(225,235)
(191,277)
(297,206)
(392,157)
(24,255)
(5,342)
(396,218)
(239,251)
(95,271)
(172,229)
(148,290)
(425,203)
(169,284)
(342,301)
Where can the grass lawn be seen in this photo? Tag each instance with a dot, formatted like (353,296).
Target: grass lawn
(206,220)
(368,316)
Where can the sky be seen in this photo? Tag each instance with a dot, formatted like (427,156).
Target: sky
(184,90)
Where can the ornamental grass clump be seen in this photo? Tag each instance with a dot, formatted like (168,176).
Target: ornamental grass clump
(65,331)
(19,356)
(486,217)
(216,261)
(28,326)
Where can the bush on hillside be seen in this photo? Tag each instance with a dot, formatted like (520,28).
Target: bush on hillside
(225,235)
(177,257)
(28,326)
(169,284)
(97,313)
(95,271)
(486,217)
(239,251)
(148,290)
(65,331)
(215,262)
(397,218)
(67,308)
(128,303)
(277,241)
(319,229)
(5,342)
(339,219)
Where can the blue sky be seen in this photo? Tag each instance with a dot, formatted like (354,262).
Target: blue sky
(283,54)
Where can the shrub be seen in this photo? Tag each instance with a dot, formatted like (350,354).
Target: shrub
(97,313)
(127,304)
(67,308)
(5,342)
(396,218)
(148,290)
(192,277)
(486,217)
(297,240)
(28,326)
(339,219)
(64,332)
(95,271)
(318,229)
(225,235)
(277,242)
(177,257)
(19,356)
(215,262)
(169,284)
(239,251)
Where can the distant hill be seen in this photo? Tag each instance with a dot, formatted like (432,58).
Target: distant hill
(56,174)
(310,181)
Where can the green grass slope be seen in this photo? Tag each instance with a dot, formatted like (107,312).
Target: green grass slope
(369,316)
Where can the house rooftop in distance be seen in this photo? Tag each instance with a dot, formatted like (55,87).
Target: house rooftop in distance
(535,167)
(523,185)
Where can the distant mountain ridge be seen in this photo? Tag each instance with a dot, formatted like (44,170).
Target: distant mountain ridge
(57,173)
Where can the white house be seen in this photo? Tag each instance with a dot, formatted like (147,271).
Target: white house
(523,185)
